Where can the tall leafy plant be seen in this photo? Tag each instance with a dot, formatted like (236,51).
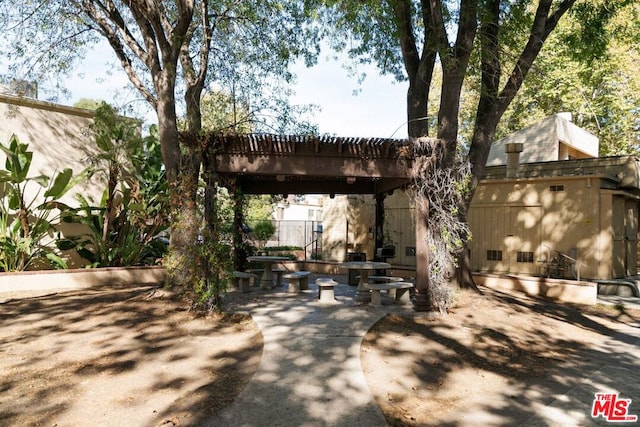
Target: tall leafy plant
(124,225)
(26,218)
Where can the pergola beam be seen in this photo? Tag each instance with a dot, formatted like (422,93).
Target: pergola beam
(318,186)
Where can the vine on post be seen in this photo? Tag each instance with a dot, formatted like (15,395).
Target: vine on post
(442,187)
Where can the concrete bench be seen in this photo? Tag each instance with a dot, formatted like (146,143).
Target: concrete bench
(298,281)
(402,292)
(386,279)
(257,273)
(326,294)
(243,280)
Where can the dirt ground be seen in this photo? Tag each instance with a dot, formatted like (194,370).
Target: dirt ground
(119,357)
(137,357)
(491,349)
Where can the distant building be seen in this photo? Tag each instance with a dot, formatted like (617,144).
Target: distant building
(298,221)
(556,197)
(307,207)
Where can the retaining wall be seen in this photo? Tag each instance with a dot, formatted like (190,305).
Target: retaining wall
(50,280)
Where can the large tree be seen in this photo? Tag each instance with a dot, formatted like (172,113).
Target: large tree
(414,39)
(167,49)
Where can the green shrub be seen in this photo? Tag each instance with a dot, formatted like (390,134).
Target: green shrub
(263,231)
(26,228)
(282,248)
(124,226)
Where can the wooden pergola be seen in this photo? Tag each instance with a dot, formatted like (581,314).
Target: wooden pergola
(292,164)
(286,164)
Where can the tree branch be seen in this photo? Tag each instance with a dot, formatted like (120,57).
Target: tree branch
(543,25)
(118,47)
(439,31)
(402,15)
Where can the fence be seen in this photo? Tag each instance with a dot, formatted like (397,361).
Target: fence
(305,234)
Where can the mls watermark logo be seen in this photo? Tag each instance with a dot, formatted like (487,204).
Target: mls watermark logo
(612,408)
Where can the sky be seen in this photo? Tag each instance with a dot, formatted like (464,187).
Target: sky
(377,110)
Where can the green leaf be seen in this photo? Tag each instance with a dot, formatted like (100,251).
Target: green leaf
(14,228)
(14,199)
(18,159)
(75,180)
(56,261)
(66,244)
(59,184)
(41,179)
(40,228)
(104,142)
(87,254)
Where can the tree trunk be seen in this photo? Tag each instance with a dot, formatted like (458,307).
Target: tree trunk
(182,190)
(463,276)
(418,122)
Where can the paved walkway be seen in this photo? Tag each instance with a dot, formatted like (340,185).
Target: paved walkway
(310,372)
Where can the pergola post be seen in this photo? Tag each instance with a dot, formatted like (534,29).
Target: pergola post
(379,225)
(422,300)
(239,245)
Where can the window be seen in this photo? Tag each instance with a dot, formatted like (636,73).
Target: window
(524,257)
(556,188)
(493,255)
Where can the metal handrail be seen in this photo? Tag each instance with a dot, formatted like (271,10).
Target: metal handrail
(573,260)
(307,245)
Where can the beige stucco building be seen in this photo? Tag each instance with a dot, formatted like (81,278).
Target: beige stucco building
(546,200)
(58,136)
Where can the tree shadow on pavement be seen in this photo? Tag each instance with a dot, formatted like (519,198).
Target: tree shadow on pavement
(502,360)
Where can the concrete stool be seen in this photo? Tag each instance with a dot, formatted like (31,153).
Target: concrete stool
(326,295)
(298,281)
(257,273)
(242,280)
(294,287)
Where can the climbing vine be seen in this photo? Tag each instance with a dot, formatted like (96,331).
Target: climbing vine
(440,181)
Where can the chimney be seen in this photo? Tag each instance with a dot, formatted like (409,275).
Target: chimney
(513,151)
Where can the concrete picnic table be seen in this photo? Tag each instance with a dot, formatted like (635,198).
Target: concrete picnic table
(267,277)
(364,268)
